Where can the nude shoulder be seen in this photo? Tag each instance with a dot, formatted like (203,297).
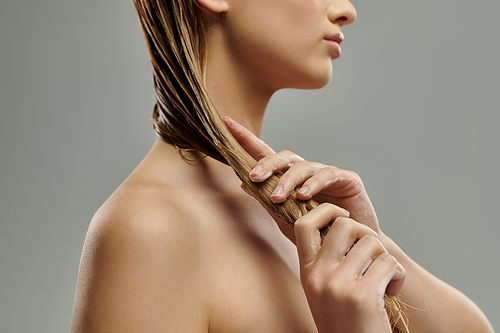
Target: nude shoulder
(147,215)
(141,206)
(141,244)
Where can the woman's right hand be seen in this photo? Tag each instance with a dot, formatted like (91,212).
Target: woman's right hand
(345,278)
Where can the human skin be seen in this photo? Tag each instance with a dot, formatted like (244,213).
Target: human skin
(434,306)
(247,64)
(180,247)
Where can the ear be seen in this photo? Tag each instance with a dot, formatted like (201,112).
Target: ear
(216,6)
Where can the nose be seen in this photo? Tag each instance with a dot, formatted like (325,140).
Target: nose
(341,12)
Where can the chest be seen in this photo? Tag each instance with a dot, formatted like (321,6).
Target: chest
(255,285)
(269,301)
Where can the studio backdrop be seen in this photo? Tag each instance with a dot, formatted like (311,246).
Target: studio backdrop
(413,108)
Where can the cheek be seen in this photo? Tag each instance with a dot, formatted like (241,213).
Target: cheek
(284,39)
(293,24)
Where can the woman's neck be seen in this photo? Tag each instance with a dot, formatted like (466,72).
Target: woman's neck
(232,87)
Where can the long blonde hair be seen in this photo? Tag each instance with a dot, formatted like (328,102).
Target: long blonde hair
(184,114)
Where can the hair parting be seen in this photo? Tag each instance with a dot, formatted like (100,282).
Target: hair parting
(184,114)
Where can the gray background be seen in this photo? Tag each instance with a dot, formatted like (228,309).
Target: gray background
(413,108)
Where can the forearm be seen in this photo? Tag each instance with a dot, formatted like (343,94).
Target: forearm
(435,306)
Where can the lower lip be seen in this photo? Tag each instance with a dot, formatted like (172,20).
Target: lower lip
(334,47)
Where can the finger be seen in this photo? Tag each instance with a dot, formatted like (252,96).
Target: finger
(387,273)
(257,148)
(279,162)
(307,235)
(362,255)
(345,183)
(325,177)
(343,235)
(297,174)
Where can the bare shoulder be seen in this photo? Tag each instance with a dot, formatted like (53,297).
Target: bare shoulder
(141,266)
(144,212)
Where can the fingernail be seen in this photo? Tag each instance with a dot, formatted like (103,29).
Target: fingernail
(257,173)
(278,191)
(304,190)
(346,212)
(257,170)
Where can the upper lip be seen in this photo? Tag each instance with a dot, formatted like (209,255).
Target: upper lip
(336,37)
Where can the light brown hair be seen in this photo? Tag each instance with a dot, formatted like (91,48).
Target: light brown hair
(184,115)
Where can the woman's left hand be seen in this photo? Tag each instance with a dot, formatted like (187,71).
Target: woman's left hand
(321,182)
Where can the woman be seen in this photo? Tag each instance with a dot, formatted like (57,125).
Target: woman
(181,246)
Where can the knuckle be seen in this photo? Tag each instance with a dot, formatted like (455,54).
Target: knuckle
(314,284)
(303,163)
(388,259)
(316,166)
(347,295)
(367,231)
(302,224)
(332,210)
(370,240)
(331,172)
(343,223)
(301,167)
(291,154)
(285,152)
(356,178)
(353,174)
(325,285)
(265,161)
(327,206)
(307,169)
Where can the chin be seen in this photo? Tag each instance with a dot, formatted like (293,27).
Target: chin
(315,76)
(320,83)
(316,81)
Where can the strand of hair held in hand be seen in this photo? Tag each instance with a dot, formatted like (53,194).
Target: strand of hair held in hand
(184,114)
